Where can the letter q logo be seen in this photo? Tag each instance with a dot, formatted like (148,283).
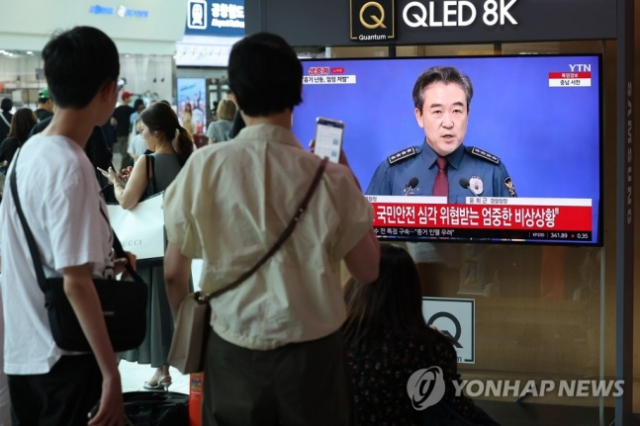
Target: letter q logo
(419,20)
(426,388)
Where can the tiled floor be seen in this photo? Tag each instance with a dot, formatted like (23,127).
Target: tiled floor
(134,375)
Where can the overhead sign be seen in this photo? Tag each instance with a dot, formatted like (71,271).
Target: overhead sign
(215,18)
(461,13)
(455,318)
(373,20)
(338,23)
(120,11)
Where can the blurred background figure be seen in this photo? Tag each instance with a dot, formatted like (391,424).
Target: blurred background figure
(137,145)
(219,130)
(187,118)
(44,109)
(23,121)
(237,126)
(138,107)
(5,117)
(122,115)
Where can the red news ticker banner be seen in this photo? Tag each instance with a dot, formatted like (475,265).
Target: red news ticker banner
(483,213)
(567,74)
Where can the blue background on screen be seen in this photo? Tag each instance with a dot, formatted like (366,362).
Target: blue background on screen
(548,137)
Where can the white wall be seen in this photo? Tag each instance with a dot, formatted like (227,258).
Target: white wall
(139,70)
(28,24)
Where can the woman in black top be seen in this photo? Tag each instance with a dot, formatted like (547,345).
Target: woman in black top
(21,124)
(388,339)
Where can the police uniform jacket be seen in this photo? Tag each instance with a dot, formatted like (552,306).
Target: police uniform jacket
(485,174)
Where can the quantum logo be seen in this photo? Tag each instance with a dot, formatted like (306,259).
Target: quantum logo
(372,20)
(378,22)
(426,388)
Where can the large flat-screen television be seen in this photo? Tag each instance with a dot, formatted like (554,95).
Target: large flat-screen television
(516,159)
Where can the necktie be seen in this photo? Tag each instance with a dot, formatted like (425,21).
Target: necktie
(441,184)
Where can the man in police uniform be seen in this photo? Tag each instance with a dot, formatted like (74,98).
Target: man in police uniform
(442,165)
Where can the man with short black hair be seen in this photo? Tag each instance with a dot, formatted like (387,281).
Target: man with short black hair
(276,351)
(44,109)
(60,198)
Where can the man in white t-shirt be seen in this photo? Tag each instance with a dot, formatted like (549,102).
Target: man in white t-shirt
(60,199)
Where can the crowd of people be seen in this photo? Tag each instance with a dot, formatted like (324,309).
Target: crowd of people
(291,344)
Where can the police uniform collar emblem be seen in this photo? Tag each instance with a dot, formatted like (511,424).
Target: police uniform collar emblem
(402,155)
(481,153)
(476,185)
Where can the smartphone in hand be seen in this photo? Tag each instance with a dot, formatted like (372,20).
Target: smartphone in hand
(104,172)
(328,140)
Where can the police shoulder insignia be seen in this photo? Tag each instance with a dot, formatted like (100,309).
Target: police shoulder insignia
(477,152)
(510,187)
(402,155)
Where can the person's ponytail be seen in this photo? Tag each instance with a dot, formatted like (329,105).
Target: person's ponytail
(183,144)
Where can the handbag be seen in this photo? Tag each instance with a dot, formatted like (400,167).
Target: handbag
(124,303)
(188,346)
(141,229)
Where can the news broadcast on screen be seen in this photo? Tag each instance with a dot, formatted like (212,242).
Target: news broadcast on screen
(502,149)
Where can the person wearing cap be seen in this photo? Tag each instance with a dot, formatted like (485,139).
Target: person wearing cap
(45,105)
(122,115)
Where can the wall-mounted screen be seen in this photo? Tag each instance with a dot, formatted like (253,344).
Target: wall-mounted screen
(511,153)
(192,104)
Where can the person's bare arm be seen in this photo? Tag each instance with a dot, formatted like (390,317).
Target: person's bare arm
(177,270)
(81,292)
(129,196)
(363,261)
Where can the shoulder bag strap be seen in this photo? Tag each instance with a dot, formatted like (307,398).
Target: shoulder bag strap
(31,241)
(151,162)
(5,120)
(281,240)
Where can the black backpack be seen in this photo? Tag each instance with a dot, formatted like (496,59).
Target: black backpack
(156,408)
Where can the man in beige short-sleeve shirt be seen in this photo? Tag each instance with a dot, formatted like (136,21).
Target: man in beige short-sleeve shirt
(275,353)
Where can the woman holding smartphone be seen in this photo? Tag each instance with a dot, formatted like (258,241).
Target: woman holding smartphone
(171,145)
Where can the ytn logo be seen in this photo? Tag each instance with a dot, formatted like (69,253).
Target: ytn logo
(197,15)
(426,387)
(580,67)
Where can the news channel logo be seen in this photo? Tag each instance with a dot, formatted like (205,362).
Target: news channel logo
(197,15)
(426,387)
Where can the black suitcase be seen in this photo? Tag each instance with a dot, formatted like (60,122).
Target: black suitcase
(156,408)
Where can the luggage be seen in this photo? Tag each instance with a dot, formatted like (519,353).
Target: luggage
(156,408)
